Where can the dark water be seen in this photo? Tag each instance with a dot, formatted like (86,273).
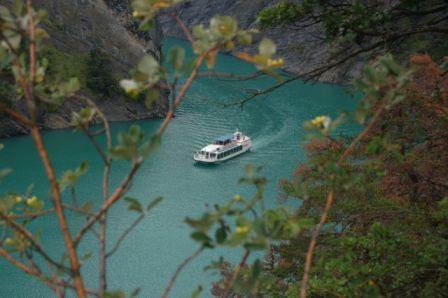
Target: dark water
(152,252)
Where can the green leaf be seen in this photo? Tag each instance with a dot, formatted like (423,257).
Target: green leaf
(135,293)
(203,224)
(72,86)
(83,168)
(154,203)
(221,234)
(134,204)
(87,207)
(150,146)
(115,294)
(148,65)
(200,237)
(4,173)
(223,27)
(176,56)
(17,7)
(189,66)
(146,24)
(257,268)
(86,256)
(197,293)
(151,97)
(267,47)
(259,243)
(122,152)
(244,38)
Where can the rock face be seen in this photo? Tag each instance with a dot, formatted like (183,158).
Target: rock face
(80,26)
(302,49)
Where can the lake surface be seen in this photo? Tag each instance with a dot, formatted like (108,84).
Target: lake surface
(149,256)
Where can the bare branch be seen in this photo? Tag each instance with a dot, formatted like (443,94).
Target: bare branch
(107,163)
(124,235)
(183,27)
(225,76)
(35,132)
(179,269)
(30,215)
(21,118)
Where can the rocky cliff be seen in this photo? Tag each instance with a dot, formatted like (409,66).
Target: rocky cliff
(78,26)
(302,49)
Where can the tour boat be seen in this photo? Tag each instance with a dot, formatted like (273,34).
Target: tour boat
(224,148)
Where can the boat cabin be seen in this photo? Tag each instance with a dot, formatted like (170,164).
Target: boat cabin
(224,147)
(223,140)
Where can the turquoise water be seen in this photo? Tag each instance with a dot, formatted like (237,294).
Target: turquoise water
(151,253)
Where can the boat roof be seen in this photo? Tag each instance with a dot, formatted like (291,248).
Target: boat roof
(211,148)
(224,138)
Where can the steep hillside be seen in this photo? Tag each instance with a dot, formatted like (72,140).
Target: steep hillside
(76,28)
(302,49)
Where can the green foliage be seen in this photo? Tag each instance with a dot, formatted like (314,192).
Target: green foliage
(283,13)
(176,57)
(146,10)
(70,178)
(64,66)
(99,73)
(82,119)
(361,23)
(132,145)
(93,70)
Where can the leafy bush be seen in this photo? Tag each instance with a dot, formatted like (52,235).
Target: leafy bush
(100,75)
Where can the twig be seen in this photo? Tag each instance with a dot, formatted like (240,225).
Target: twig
(235,274)
(231,76)
(125,233)
(107,163)
(15,115)
(183,27)
(179,269)
(30,215)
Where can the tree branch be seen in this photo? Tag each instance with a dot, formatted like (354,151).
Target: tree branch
(235,274)
(25,233)
(124,235)
(56,194)
(179,269)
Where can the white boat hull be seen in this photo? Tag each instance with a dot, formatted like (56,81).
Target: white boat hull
(200,159)
(246,145)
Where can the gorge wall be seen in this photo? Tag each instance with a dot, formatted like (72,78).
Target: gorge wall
(302,49)
(78,26)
